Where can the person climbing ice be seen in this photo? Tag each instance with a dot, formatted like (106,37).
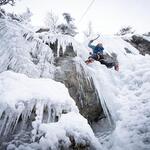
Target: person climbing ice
(97,54)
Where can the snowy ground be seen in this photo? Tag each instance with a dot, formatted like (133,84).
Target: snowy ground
(126,94)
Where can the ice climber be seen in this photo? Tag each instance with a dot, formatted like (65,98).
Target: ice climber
(98,55)
(97,51)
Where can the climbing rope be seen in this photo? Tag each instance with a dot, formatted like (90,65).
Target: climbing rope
(90,5)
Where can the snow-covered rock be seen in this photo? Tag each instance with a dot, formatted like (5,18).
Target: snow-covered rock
(70,69)
(21,52)
(40,114)
(141,42)
(36,55)
(46,55)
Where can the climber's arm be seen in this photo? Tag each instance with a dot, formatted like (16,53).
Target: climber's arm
(90,45)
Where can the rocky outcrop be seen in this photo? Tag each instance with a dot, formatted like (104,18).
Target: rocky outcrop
(140,43)
(80,85)
(42,30)
(32,56)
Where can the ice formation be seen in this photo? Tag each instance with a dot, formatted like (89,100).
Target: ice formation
(47,105)
(22,52)
(56,121)
(125,96)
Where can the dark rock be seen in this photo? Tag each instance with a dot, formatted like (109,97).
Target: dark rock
(141,44)
(127,50)
(79,146)
(69,51)
(147,34)
(80,85)
(42,30)
(54,48)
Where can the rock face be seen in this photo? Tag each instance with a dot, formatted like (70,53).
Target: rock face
(141,44)
(42,30)
(79,84)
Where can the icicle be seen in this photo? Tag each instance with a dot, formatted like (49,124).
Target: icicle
(49,114)
(10,121)
(38,118)
(3,128)
(16,122)
(105,109)
(45,114)
(53,114)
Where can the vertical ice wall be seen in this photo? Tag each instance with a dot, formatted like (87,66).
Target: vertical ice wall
(126,95)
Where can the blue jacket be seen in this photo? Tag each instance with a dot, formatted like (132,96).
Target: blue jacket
(96,49)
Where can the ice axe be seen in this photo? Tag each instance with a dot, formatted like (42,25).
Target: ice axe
(96,38)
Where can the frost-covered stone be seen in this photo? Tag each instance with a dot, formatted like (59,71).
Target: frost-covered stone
(71,71)
(142,43)
(21,52)
(39,113)
(39,55)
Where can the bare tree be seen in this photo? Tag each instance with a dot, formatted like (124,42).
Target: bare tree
(4,2)
(51,21)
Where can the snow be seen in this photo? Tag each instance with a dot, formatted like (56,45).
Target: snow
(16,90)
(57,121)
(125,96)
(147,38)
(27,52)
(70,124)
(21,52)
(17,87)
